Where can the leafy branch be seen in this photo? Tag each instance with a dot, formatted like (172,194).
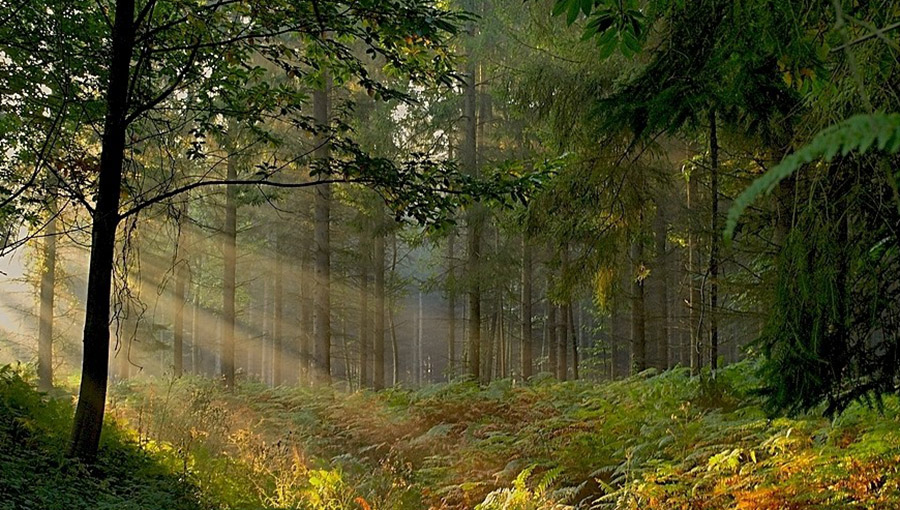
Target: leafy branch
(855,134)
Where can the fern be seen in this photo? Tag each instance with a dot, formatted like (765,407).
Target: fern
(856,134)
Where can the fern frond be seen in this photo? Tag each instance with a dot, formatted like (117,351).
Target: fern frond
(856,134)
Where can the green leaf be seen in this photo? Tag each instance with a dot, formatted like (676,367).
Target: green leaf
(560,6)
(586,6)
(574,9)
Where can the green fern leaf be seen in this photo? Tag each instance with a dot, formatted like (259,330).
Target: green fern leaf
(856,134)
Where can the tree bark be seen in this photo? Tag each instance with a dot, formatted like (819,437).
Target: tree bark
(306,320)
(638,319)
(181,277)
(695,306)
(378,342)
(364,324)
(321,106)
(552,342)
(197,345)
(714,244)
(661,280)
(451,307)
(420,360)
(178,320)
(48,286)
(229,263)
(95,363)
(562,339)
(574,334)
(278,319)
(395,348)
(468,153)
(527,310)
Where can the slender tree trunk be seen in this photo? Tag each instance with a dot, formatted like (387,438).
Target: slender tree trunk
(638,319)
(395,354)
(321,107)
(679,305)
(265,354)
(395,349)
(545,336)
(178,321)
(527,310)
(552,342)
(278,319)
(229,279)
(468,153)
(48,285)
(253,332)
(620,364)
(95,361)
(306,320)
(189,327)
(345,348)
(181,281)
(714,245)
(695,306)
(660,228)
(378,341)
(574,334)
(197,342)
(420,369)
(451,307)
(562,339)
(364,324)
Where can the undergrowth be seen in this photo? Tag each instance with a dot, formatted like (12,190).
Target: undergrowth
(649,442)
(35,475)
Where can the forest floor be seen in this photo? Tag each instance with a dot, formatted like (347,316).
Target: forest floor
(648,442)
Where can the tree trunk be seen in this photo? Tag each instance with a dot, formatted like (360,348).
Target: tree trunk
(181,276)
(189,328)
(420,349)
(378,341)
(552,342)
(364,324)
(395,349)
(95,362)
(278,318)
(695,306)
(197,343)
(714,245)
(265,354)
(574,334)
(48,285)
(562,339)
(527,310)
(638,319)
(660,228)
(181,281)
(229,278)
(322,236)
(306,320)
(451,308)
(468,156)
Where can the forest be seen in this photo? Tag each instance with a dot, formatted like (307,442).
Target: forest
(449,254)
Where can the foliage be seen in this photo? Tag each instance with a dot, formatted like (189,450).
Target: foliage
(857,134)
(658,442)
(35,475)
